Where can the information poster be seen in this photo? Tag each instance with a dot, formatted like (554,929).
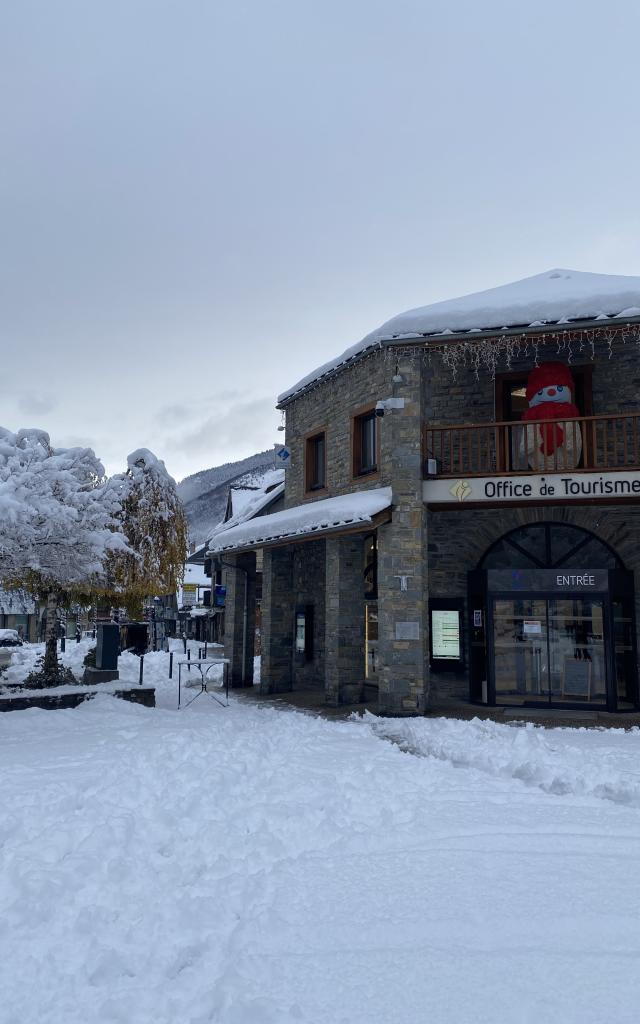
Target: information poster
(445,633)
(300,633)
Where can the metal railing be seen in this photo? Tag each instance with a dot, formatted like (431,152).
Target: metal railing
(606,442)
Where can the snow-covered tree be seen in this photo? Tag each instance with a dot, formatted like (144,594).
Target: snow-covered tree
(153,521)
(58,521)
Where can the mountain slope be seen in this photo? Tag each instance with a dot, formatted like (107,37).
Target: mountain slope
(204,494)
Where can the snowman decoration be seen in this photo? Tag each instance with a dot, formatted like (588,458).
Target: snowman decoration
(550,396)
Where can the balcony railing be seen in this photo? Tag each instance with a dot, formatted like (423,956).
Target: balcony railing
(608,442)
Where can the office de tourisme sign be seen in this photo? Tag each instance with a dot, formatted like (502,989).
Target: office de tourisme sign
(552,487)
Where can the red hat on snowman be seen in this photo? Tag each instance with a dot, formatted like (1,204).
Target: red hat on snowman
(546,376)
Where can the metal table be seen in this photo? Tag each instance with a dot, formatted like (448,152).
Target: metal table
(203,665)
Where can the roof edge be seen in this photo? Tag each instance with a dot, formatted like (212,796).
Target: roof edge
(444,338)
(361,526)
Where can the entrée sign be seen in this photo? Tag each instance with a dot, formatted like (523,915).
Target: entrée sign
(552,487)
(554,580)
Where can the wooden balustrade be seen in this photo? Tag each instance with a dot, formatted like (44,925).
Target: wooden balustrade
(607,442)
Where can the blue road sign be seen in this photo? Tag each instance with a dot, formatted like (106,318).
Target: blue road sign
(284,454)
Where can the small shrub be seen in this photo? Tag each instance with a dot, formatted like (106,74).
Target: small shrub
(38,680)
(90,657)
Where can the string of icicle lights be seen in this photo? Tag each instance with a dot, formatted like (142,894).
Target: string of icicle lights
(499,352)
(492,354)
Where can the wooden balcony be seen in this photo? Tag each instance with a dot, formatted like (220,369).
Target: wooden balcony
(605,443)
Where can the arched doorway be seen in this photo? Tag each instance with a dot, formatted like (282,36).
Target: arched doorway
(552,621)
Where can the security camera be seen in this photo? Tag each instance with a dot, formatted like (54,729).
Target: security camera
(388,403)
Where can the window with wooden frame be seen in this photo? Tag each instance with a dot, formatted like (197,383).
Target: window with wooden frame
(364,432)
(511,393)
(315,462)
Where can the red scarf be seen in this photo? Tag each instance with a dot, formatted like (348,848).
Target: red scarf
(552,434)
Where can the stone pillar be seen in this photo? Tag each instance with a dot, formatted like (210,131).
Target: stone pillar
(240,617)
(344,613)
(403,641)
(277,620)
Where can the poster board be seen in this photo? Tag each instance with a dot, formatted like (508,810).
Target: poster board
(445,633)
(576,681)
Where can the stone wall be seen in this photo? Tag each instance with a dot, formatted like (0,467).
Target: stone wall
(402,610)
(467,399)
(330,406)
(403,626)
(240,617)
(345,659)
(277,620)
(309,589)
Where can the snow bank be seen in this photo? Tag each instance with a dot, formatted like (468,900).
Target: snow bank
(301,520)
(556,296)
(570,762)
(10,635)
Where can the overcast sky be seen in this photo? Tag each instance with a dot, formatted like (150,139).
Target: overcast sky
(200,201)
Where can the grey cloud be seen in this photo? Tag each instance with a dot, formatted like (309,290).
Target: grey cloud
(175,413)
(76,441)
(191,408)
(237,430)
(31,404)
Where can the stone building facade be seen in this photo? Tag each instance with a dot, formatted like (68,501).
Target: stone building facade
(448,590)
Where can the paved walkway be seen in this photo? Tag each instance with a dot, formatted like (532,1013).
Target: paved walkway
(312,701)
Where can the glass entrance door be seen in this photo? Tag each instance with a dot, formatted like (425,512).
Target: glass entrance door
(520,650)
(577,671)
(549,650)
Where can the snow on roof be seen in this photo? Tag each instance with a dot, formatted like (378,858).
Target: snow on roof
(271,486)
(557,296)
(240,498)
(302,520)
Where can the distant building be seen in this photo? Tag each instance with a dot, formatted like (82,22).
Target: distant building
(245,503)
(19,611)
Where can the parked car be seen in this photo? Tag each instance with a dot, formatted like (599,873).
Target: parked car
(9,638)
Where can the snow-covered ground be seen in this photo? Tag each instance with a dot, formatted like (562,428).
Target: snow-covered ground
(248,865)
